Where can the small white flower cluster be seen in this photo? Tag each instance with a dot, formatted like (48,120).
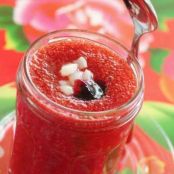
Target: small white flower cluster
(74,71)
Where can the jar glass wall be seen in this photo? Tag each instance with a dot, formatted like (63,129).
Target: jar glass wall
(49,138)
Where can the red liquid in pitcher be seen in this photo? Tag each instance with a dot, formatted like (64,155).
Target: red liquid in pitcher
(54,140)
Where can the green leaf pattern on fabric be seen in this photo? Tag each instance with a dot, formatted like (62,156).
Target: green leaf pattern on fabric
(7,99)
(165,11)
(126,171)
(157,57)
(15,37)
(163,114)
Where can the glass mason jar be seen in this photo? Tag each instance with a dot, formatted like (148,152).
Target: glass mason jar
(50,140)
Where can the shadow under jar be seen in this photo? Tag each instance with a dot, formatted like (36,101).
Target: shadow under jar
(52,138)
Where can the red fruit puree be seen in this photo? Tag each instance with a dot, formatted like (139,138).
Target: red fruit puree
(57,136)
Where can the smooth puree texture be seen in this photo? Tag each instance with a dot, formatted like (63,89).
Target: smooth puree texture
(108,68)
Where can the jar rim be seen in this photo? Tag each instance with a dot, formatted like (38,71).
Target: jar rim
(140,84)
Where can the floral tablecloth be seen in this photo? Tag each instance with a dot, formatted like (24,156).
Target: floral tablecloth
(22,21)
